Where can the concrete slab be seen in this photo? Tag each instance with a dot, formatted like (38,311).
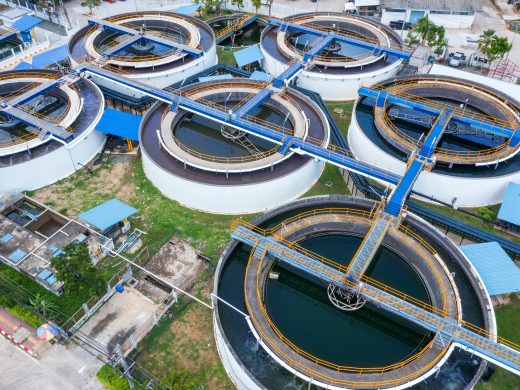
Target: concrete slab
(176,262)
(125,314)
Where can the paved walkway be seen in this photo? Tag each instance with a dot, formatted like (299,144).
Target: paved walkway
(59,368)
(10,324)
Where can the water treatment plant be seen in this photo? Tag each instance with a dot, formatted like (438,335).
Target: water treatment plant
(320,291)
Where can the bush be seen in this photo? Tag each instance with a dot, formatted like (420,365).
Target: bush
(109,378)
(20,312)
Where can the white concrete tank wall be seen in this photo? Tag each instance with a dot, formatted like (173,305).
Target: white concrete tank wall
(469,191)
(331,87)
(234,369)
(53,166)
(165,78)
(234,199)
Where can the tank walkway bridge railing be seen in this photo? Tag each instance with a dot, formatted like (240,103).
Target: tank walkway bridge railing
(395,203)
(340,36)
(39,125)
(467,336)
(136,35)
(235,26)
(369,246)
(496,127)
(219,114)
(7,33)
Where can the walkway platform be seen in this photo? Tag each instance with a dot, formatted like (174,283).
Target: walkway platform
(369,246)
(40,125)
(254,101)
(234,27)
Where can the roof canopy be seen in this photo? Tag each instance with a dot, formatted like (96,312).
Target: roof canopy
(49,57)
(454,5)
(259,75)
(510,209)
(107,214)
(248,55)
(23,66)
(188,9)
(226,76)
(26,23)
(121,124)
(499,273)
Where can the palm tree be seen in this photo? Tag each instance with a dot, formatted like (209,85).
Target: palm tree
(485,41)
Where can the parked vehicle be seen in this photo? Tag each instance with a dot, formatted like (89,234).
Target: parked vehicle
(399,24)
(457,59)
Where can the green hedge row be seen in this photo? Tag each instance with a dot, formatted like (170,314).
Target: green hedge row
(109,378)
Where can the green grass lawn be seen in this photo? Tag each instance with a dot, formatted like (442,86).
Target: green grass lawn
(508,320)
(225,56)
(488,211)
(342,120)
(330,182)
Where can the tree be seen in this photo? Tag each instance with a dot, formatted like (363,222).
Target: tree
(485,40)
(269,4)
(238,3)
(498,48)
(257,4)
(91,4)
(425,32)
(74,267)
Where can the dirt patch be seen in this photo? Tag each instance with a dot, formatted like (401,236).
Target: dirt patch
(177,262)
(77,193)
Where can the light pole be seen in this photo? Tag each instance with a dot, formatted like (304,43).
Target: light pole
(515,30)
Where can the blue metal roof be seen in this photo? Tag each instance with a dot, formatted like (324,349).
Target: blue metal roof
(188,9)
(248,55)
(510,209)
(49,57)
(216,77)
(120,123)
(26,23)
(107,214)
(499,273)
(23,66)
(259,75)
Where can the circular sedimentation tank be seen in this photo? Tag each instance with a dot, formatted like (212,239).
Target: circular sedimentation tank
(466,157)
(146,60)
(297,331)
(76,107)
(213,167)
(339,69)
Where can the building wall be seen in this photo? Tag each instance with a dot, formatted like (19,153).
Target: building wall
(331,87)
(233,199)
(469,191)
(446,20)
